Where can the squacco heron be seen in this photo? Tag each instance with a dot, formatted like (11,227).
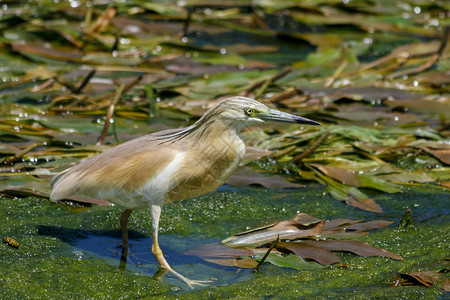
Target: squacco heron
(170,165)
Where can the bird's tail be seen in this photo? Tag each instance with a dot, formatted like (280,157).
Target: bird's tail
(63,185)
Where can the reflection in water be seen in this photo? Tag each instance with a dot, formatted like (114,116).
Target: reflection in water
(123,258)
(159,274)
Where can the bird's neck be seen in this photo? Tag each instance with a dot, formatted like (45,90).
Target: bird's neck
(217,142)
(219,146)
(213,132)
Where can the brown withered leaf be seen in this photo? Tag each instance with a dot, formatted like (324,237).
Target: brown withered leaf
(341,175)
(442,154)
(370,225)
(425,278)
(40,49)
(306,250)
(338,228)
(339,224)
(356,247)
(342,234)
(200,69)
(305,219)
(365,204)
(445,184)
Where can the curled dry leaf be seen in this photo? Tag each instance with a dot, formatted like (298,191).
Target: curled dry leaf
(424,278)
(286,230)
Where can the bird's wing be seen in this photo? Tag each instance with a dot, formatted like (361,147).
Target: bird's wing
(127,167)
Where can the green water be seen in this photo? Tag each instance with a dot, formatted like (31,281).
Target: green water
(72,252)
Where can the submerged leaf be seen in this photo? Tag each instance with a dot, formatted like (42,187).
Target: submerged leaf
(245,263)
(214,250)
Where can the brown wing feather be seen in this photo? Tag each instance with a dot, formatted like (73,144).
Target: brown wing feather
(127,166)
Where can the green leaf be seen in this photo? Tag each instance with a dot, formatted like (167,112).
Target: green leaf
(378,184)
(289,261)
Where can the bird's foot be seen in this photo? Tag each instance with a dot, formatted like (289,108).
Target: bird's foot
(189,282)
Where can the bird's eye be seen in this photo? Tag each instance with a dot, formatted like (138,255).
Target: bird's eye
(249,111)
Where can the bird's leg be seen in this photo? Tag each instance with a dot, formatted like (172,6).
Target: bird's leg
(124,229)
(124,226)
(156,250)
(123,259)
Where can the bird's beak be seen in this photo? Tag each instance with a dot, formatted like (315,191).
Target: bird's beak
(279,116)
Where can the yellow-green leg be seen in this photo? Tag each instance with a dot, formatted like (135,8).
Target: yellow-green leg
(156,250)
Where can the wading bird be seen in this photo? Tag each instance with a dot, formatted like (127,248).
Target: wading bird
(170,165)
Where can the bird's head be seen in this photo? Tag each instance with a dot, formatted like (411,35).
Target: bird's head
(245,111)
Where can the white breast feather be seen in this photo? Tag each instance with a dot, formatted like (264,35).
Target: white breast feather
(155,189)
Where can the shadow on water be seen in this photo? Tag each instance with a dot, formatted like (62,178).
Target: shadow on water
(71,236)
(137,258)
